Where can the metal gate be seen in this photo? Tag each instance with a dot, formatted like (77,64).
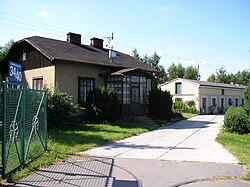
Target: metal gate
(23,125)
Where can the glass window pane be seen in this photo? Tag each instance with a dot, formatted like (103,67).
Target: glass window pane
(134,78)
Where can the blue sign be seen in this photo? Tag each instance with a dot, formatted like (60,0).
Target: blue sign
(15,72)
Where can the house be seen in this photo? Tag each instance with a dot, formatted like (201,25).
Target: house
(207,95)
(77,69)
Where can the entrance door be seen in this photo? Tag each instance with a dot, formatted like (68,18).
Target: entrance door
(204,105)
(135,100)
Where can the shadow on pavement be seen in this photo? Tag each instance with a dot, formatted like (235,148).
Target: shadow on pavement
(77,172)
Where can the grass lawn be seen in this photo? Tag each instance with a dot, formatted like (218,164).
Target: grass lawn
(239,145)
(188,115)
(77,138)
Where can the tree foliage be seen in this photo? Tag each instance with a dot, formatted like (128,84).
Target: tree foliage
(191,73)
(153,61)
(221,76)
(5,49)
(175,71)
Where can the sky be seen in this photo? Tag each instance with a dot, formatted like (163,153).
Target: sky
(211,33)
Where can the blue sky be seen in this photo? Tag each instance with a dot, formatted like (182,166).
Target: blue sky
(211,32)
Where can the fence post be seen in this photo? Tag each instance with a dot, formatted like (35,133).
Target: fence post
(22,128)
(4,129)
(45,121)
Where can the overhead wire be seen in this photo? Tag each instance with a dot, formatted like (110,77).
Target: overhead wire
(58,30)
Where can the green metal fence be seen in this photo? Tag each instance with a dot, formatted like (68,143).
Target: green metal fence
(24,126)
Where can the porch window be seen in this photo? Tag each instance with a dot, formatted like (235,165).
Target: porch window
(126,89)
(178,88)
(85,86)
(143,90)
(37,83)
(129,88)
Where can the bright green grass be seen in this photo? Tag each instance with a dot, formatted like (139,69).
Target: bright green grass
(239,145)
(77,138)
(188,115)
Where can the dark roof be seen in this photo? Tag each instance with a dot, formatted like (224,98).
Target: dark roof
(210,84)
(63,50)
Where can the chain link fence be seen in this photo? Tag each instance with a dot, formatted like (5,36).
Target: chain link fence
(24,125)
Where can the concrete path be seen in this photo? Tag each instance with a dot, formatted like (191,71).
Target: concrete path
(153,159)
(188,140)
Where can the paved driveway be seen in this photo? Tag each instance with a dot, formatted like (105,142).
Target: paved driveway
(188,140)
(151,159)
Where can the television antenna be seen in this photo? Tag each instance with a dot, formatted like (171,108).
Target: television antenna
(112,53)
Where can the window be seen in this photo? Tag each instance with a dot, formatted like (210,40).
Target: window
(222,92)
(213,101)
(222,102)
(24,57)
(37,83)
(236,101)
(242,101)
(230,102)
(178,88)
(85,86)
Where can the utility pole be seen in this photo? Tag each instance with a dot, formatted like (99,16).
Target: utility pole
(199,62)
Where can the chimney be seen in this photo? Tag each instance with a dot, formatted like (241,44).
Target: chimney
(74,38)
(96,42)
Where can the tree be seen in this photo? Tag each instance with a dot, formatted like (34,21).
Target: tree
(136,55)
(211,78)
(5,49)
(222,75)
(175,71)
(154,62)
(191,73)
(241,78)
(162,76)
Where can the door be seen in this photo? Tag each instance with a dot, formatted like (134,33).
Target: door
(135,101)
(204,106)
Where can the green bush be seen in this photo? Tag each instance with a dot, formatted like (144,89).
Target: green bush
(102,105)
(236,120)
(187,107)
(192,110)
(60,108)
(247,99)
(178,106)
(160,104)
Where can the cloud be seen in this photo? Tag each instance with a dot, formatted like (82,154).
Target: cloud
(43,14)
(166,7)
(221,57)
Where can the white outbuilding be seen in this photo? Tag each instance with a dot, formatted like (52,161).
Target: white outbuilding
(207,95)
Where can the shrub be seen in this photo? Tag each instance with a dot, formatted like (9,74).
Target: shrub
(236,120)
(102,105)
(192,110)
(188,106)
(178,106)
(160,104)
(60,108)
(247,99)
